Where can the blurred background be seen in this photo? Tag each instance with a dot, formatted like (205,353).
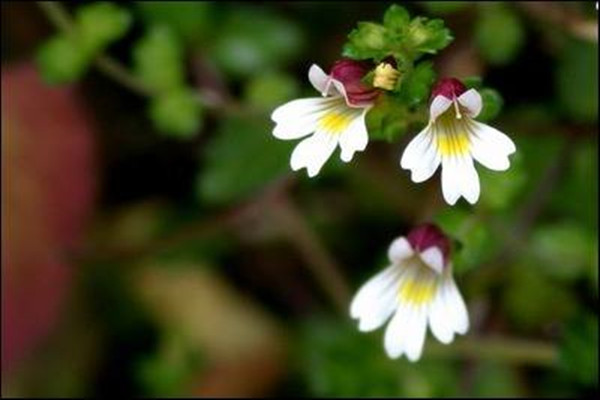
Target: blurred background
(156,243)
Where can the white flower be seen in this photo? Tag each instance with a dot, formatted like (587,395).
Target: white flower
(337,118)
(418,290)
(454,139)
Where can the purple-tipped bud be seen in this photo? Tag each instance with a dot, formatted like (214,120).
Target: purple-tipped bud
(428,235)
(450,88)
(350,74)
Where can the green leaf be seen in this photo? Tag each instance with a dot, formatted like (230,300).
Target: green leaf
(416,85)
(241,159)
(190,20)
(428,36)
(61,60)
(177,113)
(444,7)
(99,24)
(158,60)
(271,89)
(492,104)
(396,18)
(367,40)
(499,33)
(577,80)
(243,50)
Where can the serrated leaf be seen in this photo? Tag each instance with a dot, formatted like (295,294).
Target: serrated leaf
(158,60)
(177,113)
(428,36)
(367,40)
(396,18)
(99,24)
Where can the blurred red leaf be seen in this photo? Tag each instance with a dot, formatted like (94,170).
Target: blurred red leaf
(48,183)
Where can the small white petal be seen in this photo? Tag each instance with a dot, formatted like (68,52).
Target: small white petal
(355,138)
(456,306)
(490,147)
(395,335)
(380,309)
(293,110)
(369,293)
(415,332)
(421,156)
(399,250)
(470,187)
(313,152)
(434,258)
(319,79)
(471,100)
(438,106)
(439,319)
(451,188)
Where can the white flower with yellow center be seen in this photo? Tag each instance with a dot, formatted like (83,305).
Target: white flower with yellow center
(337,118)
(454,139)
(416,290)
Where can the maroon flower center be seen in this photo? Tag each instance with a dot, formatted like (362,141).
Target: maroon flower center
(428,235)
(450,88)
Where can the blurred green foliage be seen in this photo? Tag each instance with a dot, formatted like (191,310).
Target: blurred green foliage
(537,281)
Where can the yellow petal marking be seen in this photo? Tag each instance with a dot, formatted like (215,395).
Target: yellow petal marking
(418,291)
(453,144)
(335,122)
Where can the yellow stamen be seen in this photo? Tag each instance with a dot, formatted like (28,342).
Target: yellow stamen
(456,108)
(385,76)
(335,122)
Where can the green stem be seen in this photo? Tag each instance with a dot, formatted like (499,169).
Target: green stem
(509,350)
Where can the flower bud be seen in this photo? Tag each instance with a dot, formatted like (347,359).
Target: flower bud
(350,73)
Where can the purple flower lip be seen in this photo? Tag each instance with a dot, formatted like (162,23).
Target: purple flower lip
(350,73)
(428,235)
(450,88)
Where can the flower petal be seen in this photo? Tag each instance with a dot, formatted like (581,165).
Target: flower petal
(450,180)
(440,319)
(395,335)
(456,307)
(470,187)
(421,156)
(433,258)
(369,294)
(490,147)
(399,250)
(320,80)
(415,331)
(355,138)
(471,100)
(438,106)
(313,152)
